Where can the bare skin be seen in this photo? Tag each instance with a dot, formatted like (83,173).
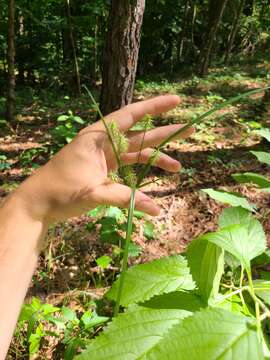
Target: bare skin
(72,182)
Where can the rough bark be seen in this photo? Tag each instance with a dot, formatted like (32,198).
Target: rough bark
(121,53)
(233,31)
(10,105)
(70,40)
(182,35)
(216,8)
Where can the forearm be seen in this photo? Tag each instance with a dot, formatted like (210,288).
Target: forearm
(20,238)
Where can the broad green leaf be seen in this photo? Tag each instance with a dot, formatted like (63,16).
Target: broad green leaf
(262,289)
(154,278)
(34,340)
(233,304)
(206,262)
(109,231)
(116,213)
(103,261)
(132,334)
(78,120)
(134,250)
(98,211)
(90,319)
(212,334)
(63,118)
(265,133)
(253,178)
(189,301)
(229,198)
(240,216)
(262,156)
(68,314)
(148,230)
(240,240)
(237,215)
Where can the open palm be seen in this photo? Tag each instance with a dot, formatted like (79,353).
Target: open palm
(77,177)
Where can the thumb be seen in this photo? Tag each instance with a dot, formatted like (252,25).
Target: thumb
(119,195)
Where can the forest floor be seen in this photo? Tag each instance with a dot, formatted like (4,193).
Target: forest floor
(67,272)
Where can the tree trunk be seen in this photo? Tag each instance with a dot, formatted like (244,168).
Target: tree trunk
(72,49)
(10,105)
(121,53)
(216,8)
(182,35)
(233,31)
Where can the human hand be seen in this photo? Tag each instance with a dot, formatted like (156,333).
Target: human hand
(76,179)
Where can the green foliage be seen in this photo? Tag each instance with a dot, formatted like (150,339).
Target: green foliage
(165,292)
(4,164)
(253,178)
(262,156)
(149,230)
(244,239)
(160,276)
(232,199)
(265,133)
(43,320)
(132,334)
(104,261)
(67,129)
(206,262)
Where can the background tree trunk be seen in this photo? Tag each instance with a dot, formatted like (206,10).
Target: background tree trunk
(10,105)
(182,35)
(121,53)
(233,31)
(71,42)
(216,8)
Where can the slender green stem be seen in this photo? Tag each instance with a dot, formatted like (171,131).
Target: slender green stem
(254,297)
(119,164)
(238,291)
(126,250)
(241,286)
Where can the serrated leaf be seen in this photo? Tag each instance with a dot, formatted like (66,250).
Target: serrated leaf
(210,334)
(262,290)
(265,133)
(240,241)
(206,262)
(262,156)
(154,278)
(130,335)
(229,198)
(189,301)
(134,250)
(252,178)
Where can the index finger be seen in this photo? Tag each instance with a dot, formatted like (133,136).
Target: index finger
(130,114)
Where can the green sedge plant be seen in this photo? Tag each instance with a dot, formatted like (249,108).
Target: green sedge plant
(170,298)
